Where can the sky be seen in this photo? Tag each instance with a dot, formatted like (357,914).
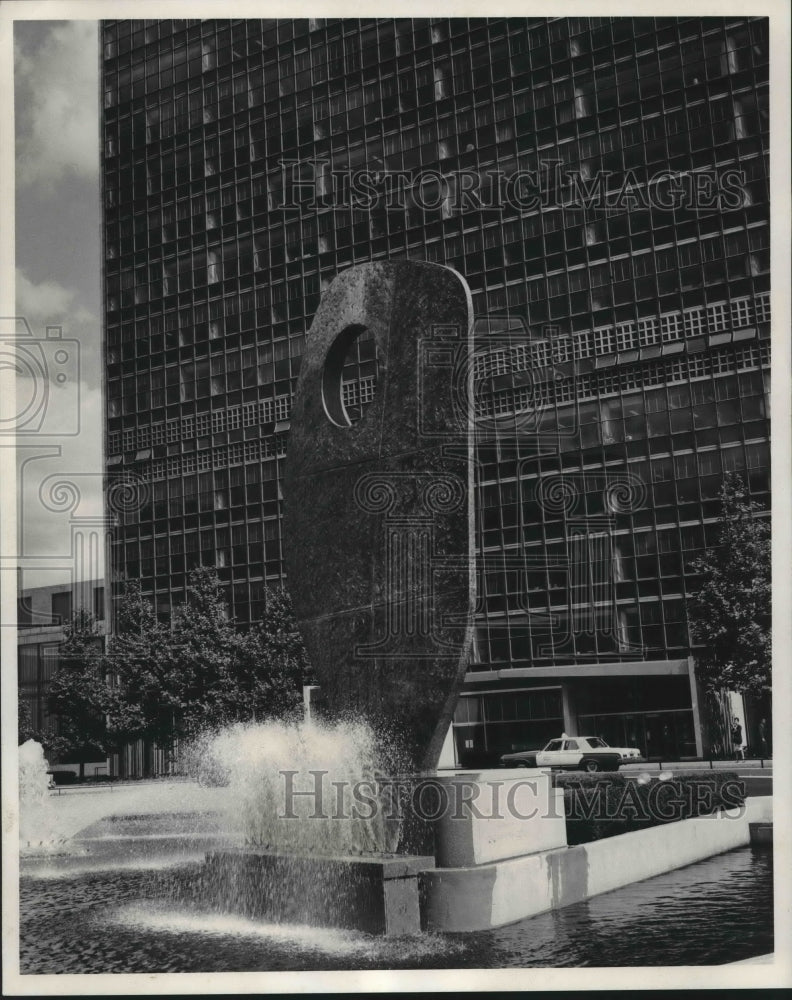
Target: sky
(58,237)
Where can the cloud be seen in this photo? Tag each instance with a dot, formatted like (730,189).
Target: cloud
(56,86)
(48,303)
(45,516)
(56,102)
(45,531)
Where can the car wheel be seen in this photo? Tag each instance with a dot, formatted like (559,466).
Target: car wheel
(592,766)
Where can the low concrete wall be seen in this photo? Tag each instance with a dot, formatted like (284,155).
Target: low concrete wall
(377,894)
(490,895)
(511,814)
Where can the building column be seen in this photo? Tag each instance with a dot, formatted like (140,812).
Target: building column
(569,709)
(694,702)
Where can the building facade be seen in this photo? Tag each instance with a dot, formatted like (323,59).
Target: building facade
(602,185)
(42,613)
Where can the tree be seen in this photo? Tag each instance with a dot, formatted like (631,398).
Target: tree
(25,730)
(201,654)
(137,663)
(730,614)
(166,683)
(79,695)
(273,664)
(218,673)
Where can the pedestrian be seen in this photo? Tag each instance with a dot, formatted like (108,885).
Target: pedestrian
(737,740)
(763,736)
(667,743)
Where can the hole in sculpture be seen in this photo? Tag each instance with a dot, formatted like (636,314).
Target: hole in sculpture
(350,375)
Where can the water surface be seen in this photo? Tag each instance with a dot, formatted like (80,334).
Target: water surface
(149,917)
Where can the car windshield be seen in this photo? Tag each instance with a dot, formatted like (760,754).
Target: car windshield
(553,745)
(595,741)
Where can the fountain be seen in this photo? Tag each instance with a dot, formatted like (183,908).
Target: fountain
(342,820)
(378,523)
(35,815)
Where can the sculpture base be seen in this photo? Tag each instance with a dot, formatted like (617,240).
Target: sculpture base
(493,815)
(468,820)
(376,894)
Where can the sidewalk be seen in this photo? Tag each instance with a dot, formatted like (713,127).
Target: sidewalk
(700,765)
(111,786)
(81,806)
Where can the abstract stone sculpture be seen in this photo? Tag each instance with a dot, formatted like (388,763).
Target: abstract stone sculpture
(379,515)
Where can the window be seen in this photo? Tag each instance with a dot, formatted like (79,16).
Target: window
(671,327)
(24,613)
(625,336)
(694,322)
(647,331)
(61,607)
(741,313)
(762,306)
(603,341)
(716,317)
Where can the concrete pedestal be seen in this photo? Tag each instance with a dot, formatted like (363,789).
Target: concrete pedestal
(478,821)
(377,894)
(493,823)
(495,815)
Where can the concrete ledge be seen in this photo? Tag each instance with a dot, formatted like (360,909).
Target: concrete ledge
(371,866)
(490,817)
(469,899)
(377,894)
(761,833)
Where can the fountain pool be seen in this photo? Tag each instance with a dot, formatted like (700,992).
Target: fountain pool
(148,915)
(132,891)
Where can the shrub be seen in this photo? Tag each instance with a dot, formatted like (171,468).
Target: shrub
(63,777)
(598,806)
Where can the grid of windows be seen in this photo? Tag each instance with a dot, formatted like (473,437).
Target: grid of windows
(538,397)
(499,722)
(545,591)
(632,269)
(739,314)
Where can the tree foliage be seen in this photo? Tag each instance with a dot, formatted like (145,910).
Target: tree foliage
(25,728)
(204,671)
(164,682)
(136,670)
(78,693)
(273,664)
(730,614)
(221,674)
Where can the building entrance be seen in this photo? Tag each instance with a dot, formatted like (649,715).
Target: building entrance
(664,735)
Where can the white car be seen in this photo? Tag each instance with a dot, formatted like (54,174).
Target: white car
(575,753)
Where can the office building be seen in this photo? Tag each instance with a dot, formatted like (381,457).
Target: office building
(602,185)
(42,613)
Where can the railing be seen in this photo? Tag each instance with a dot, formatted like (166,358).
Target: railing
(724,761)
